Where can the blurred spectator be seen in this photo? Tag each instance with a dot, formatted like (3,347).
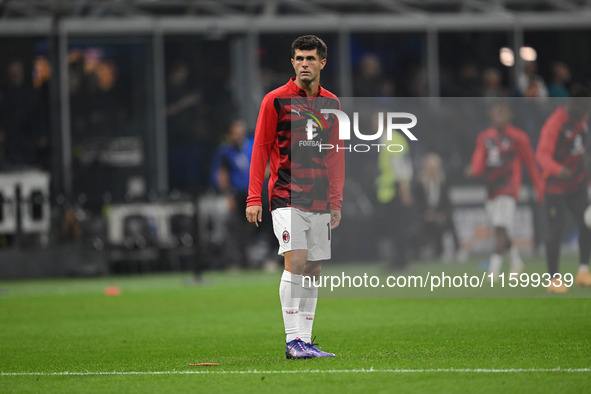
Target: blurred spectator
(492,83)
(183,115)
(529,83)
(431,198)
(41,75)
(370,81)
(229,174)
(182,102)
(234,157)
(561,78)
(418,85)
(394,193)
(77,106)
(16,117)
(468,85)
(99,115)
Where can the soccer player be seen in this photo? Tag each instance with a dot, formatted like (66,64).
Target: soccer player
(305,187)
(560,153)
(500,153)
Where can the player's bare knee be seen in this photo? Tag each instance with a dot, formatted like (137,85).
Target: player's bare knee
(501,240)
(313,268)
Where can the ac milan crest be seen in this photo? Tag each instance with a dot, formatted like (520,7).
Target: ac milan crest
(285,236)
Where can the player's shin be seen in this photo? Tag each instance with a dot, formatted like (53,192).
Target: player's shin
(290,290)
(583,277)
(495,264)
(307,310)
(517,264)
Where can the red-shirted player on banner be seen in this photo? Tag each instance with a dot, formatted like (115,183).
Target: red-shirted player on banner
(305,187)
(561,153)
(500,153)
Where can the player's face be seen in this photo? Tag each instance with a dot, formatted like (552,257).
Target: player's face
(307,65)
(500,115)
(237,132)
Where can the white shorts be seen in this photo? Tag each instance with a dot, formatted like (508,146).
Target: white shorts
(300,230)
(501,211)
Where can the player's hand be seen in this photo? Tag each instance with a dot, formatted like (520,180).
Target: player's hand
(335,218)
(565,173)
(254,214)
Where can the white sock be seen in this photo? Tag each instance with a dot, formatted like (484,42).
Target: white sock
(516,261)
(496,261)
(307,310)
(583,268)
(290,290)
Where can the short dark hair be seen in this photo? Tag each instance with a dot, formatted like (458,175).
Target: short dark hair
(308,43)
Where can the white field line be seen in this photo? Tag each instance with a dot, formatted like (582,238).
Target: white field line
(320,371)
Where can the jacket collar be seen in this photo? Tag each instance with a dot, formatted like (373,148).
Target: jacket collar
(300,91)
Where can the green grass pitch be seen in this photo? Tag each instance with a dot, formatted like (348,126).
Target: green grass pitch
(144,339)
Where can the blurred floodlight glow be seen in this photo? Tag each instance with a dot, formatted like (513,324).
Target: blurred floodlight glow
(528,54)
(506,57)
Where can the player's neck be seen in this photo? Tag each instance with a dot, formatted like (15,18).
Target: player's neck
(311,87)
(501,128)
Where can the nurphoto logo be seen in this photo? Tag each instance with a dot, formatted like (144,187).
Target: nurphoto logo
(391,124)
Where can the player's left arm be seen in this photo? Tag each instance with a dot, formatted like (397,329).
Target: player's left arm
(526,156)
(335,165)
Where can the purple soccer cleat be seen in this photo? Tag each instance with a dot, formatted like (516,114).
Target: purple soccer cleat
(297,349)
(311,347)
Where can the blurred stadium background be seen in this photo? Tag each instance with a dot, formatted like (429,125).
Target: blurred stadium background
(111,113)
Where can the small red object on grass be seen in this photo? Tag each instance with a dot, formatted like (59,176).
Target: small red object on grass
(112,291)
(201,364)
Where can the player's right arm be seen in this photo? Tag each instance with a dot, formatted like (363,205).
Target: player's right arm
(547,146)
(478,161)
(264,138)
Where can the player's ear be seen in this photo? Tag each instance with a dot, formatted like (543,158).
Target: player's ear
(322,63)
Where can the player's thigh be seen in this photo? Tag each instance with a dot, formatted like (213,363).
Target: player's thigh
(555,211)
(282,228)
(319,237)
(290,229)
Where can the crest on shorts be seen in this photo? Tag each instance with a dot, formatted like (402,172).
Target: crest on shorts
(285,236)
